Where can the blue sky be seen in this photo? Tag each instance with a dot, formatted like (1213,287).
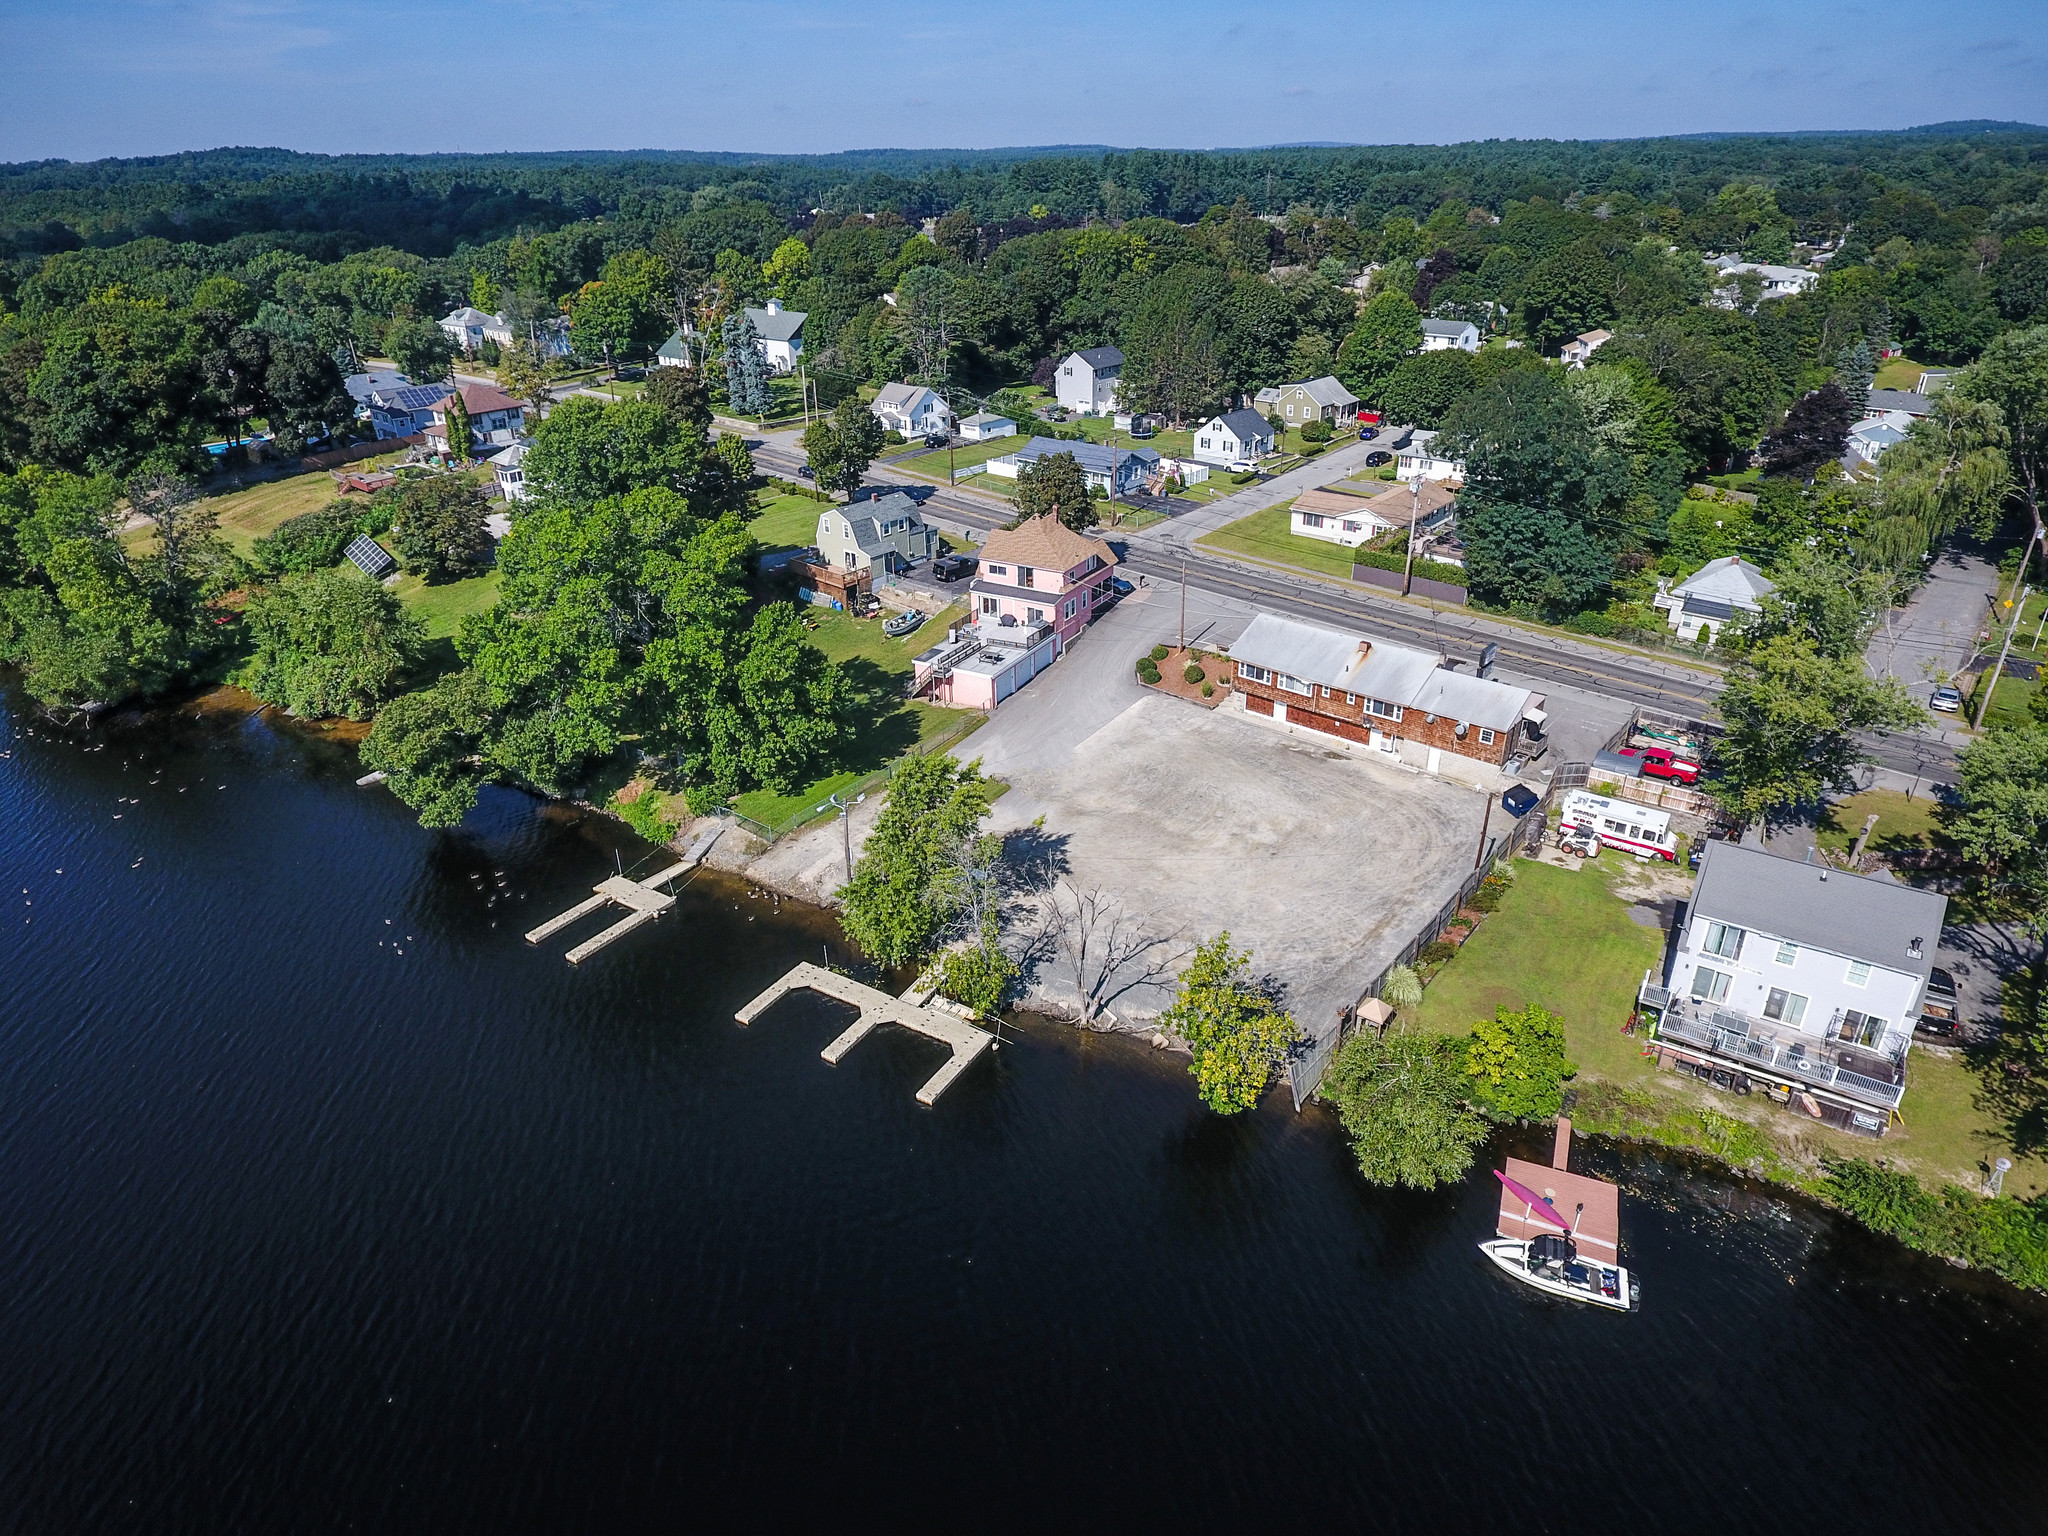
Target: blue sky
(87,78)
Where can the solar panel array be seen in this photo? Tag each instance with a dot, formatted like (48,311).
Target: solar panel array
(370,557)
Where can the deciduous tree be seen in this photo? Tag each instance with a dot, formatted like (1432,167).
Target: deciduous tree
(1403,1101)
(896,905)
(437,526)
(1517,1062)
(1389,328)
(329,642)
(1238,1033)
(1056,484)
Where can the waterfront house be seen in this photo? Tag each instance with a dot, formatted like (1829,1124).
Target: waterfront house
(1443,335)
(1338,515)
(884,533)
(1798,978)
(912,410)
(1103,464)
(1321,399)
(1378,694)
(1038,586)
(1086,382)
(1718,593)
(1241,436)
(780,333)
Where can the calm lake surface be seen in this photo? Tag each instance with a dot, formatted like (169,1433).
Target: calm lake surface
(330,1205)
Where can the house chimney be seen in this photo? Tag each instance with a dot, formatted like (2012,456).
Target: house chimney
(775,306)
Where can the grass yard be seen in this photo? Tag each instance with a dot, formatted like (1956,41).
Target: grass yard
(443,608)
(994,485)
(2010,705)
(1561,938)
(1264,536)
(1386,474)
(245,516)
(1899,373)
(965,456)
(1903,825)
(877,666)
(785,521)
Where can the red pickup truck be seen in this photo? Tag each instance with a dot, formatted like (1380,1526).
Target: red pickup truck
(1662,763)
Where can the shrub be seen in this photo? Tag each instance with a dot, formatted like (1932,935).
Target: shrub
(1390,472)
(1393,559)
(312,541)
(1517,1063)
(1159,653)
(1311,450)
(980,977)
(894,438)
(649,814)
(1148,672)
(1208,690)
(1315,432)
(1435,952)
(1246,478)
(1193,674)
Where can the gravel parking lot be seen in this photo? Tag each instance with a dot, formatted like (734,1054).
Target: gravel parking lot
(1199,821)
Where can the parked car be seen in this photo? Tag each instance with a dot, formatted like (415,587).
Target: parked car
(898,625)
(953,567)
(1947,699)
(1377,458)
(936,440)
(1120,587)
(1941,1011)
(1367,434)
(805,472)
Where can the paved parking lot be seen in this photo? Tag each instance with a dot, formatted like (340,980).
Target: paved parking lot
(1197,821)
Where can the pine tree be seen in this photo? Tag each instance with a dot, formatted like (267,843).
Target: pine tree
(1854,369)
(746,371)
(458,425)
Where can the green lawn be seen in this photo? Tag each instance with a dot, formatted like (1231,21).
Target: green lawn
(1899,373)
(993,485)
(966,456)
(443,608)
(1264,536)
(245,516)
(878,667)
(1561,938)
(786,522)
(1386,472)
(1903,825)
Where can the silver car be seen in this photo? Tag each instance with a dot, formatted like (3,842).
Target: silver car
(1947,699)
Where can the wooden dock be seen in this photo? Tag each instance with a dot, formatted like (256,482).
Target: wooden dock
(641,899)
(878,1007)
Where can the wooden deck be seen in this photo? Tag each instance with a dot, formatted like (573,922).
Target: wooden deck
(1599,1227)
(877,1007)
(642,901)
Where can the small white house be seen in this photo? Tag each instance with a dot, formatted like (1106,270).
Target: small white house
(1241,436)
(1106,466)
(1336,516)
(781,334)
(912,410)
(1420,457)
(680,350)
(985,426)
(1442,335)
(1717,594)
(1581,347)
(1775,282)
(507,470)
(1086,382)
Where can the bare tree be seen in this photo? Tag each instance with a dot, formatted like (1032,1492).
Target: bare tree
(1107,951)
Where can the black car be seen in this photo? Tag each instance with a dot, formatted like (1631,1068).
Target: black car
(1378,457)
(1367,434)
(936,440)
(953,567)
(805,472)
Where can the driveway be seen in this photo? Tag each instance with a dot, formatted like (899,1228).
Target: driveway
(1179,534)
(1934,635)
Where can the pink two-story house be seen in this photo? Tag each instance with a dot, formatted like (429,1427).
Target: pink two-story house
(1038,586)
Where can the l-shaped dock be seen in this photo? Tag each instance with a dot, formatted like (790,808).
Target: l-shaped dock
(642,901)
(878,1007)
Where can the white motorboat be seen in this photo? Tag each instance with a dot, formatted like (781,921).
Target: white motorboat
(1550,1262)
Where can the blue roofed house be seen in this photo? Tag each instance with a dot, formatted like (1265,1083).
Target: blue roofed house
(1720,592)
(1129,468)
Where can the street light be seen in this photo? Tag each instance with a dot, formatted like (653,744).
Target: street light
(841,804)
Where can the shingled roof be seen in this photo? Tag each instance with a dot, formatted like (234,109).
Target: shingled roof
(1044,543)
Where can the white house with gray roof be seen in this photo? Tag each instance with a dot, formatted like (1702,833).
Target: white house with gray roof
(781,334)
(912,410)
(1443,335)
(1241,436)
(1718,593)
(1086,382)
(1101,463)
(1321,399)
(885,533)
(1798,978)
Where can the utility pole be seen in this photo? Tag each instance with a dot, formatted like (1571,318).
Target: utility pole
(803,386)
(1183,602)
(1484,826)
(1998,666)
(1414,517)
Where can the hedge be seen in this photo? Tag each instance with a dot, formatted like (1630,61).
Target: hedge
(1428,570)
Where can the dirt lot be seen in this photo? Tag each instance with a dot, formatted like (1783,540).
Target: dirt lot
(1197,822)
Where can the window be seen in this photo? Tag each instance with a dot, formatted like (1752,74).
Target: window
(1785,1007)
(990,605)
(1485,737)
(1710,986)
(1034,615)
(1290,408)
(1383,709)
(1788,952)
(1859,973)
(1724,941)
(1349,526)
(1859,1028)
(999,570)
(1024,576)
(1294,684)
(1255,674)
(1072,608)
(1311,520)
(1350,698)
(1205,442)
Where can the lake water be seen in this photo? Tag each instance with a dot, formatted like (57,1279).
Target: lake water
(329,1204)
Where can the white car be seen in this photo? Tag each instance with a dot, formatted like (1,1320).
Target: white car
(1947,699)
